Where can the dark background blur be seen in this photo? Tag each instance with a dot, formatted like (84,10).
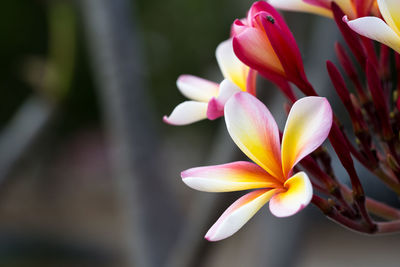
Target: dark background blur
(89,174)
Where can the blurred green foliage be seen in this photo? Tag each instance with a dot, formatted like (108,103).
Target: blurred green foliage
(177,37)
(24,34)
(25,54)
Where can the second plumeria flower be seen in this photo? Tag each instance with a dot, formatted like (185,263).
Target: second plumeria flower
(386,32)
(255,132)
(208,98)
(265,43)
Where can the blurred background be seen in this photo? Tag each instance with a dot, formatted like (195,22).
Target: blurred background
(89,174)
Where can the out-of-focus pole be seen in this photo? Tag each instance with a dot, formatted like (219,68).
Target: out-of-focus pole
(118,67)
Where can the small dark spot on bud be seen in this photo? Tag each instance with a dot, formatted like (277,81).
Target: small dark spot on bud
(271,19)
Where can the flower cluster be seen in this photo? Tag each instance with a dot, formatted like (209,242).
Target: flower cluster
(262,43)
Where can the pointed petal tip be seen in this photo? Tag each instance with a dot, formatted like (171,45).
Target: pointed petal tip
(209,237)
(184,174)
(186,113)
(212,236)
(182,77)
(167,120)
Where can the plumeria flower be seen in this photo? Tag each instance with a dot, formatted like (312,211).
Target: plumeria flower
(386,32)
(352,8)
(255,132)
(264,42)
(207,99)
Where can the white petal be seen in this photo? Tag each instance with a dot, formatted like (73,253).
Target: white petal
(376,29)
(238,214)
(196,88)
(187,112)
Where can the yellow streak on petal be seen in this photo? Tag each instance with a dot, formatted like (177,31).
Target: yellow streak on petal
(240,77)
(308,124)
(296,186)
(235,176)
(390,10)
(293,144)
(299,5)
(255,148)
(254,130)
(231,67)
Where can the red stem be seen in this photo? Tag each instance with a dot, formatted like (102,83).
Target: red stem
(375,207)
(333,214)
